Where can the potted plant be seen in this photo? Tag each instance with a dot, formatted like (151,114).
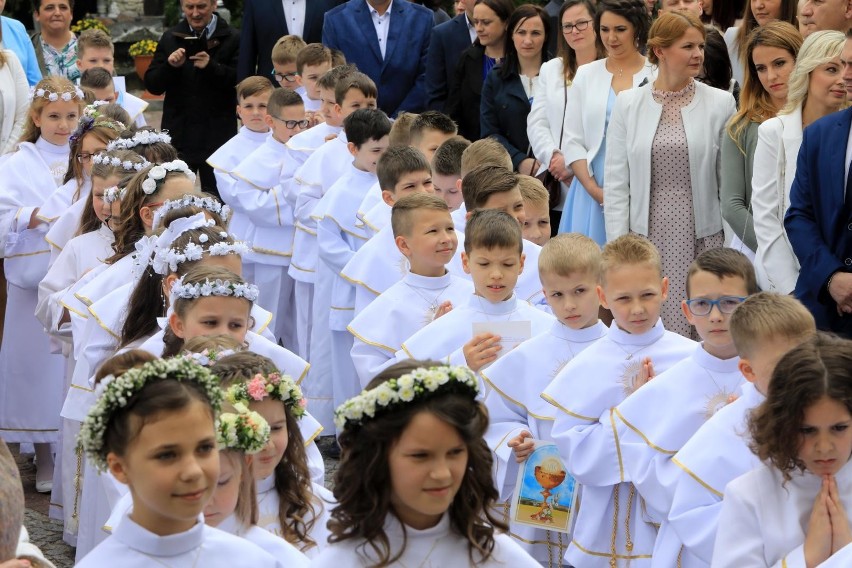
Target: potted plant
(142,52)
(89,24)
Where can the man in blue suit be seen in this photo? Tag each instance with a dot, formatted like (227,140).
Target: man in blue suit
(448,42)
(264,23)
(387,40)
(819,220)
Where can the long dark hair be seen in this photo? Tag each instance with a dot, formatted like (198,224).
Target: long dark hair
(511,66)
(362,483)
(563,50)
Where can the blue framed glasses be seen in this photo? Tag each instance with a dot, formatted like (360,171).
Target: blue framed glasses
(703,306)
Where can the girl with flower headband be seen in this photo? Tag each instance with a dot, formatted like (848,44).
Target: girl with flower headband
(29,398)
(414,484)
(291,506)
(154,145)
(153,428)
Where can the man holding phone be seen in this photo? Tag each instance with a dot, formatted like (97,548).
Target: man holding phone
(195,66)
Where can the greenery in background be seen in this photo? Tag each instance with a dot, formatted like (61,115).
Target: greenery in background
(89,24)
(143,47)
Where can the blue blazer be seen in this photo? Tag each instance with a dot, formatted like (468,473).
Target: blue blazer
(264,24)
(15,38)
(448,42)
(400,77)
(818,225)
(503,114)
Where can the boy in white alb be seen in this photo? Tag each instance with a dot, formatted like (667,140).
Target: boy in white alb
(612,528)
(569,267)
(494,258)
(692,391)
(311,182)
(312,62)
(378,265)
(764,328)
(338,238)
(258,196)
(253,98)
(424,235)
(446,171)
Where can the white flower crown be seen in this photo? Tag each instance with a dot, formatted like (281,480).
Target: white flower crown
(155,251)
(114,393)
(114,193)
(209,288)
(53,96)
(158,174)
(126,165)
(169,259)
(206,203)
(275,386)
(419,383)
(208,357)
(244,430)
(143,138)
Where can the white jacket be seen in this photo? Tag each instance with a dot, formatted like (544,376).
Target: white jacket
(632,127)
(586,115)
(778,142)
(14,90)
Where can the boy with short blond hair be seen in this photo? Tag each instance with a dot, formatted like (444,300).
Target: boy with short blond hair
(764,328)
(424,234)
(259,195)
(692,391)
(536,210)
(588,389)
(252,102)
(446,171)
(569,268)
(493,257)
(95,49)
(284,54)
(312,62)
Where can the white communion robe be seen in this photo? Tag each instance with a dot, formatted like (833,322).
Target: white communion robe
(223,161)
(714,456)
(585,393)
(764,520)
(444,338)
(374,214)
(436,547)
(131,546)
(31,385)
(514,404)
(279,548)
(398,313)
(63,229)
(268,504)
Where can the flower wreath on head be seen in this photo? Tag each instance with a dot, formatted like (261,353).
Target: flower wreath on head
(126,165)
(143,138)
(113,194)
(208,357)
(275,386)
(158,173)
(65,95)
(244,430)
(208,288)
(91,118)
(114,393)
(206,203)
(420,383)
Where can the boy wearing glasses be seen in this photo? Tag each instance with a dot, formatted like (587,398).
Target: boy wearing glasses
(658,419)
(258,194)
(284,55)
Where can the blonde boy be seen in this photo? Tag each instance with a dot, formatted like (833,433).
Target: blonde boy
(588,388)
(569,268)
(446,171)
(718,281)
(253,98)
(424,234)
(493,257)
(284,54)
(764,328)
(95,49)
(312,62)
(536,210)
(258,195)
(485,152)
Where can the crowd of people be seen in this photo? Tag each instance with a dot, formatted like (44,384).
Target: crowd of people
(432,250)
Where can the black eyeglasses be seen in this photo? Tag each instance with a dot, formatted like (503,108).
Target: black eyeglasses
(581,25)
(703,306)
(291,124)
(290,76)
(84,157)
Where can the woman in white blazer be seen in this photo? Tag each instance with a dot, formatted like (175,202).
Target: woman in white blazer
(622,28)
(815,89)
(662,164)
(14,100)
(546,121)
